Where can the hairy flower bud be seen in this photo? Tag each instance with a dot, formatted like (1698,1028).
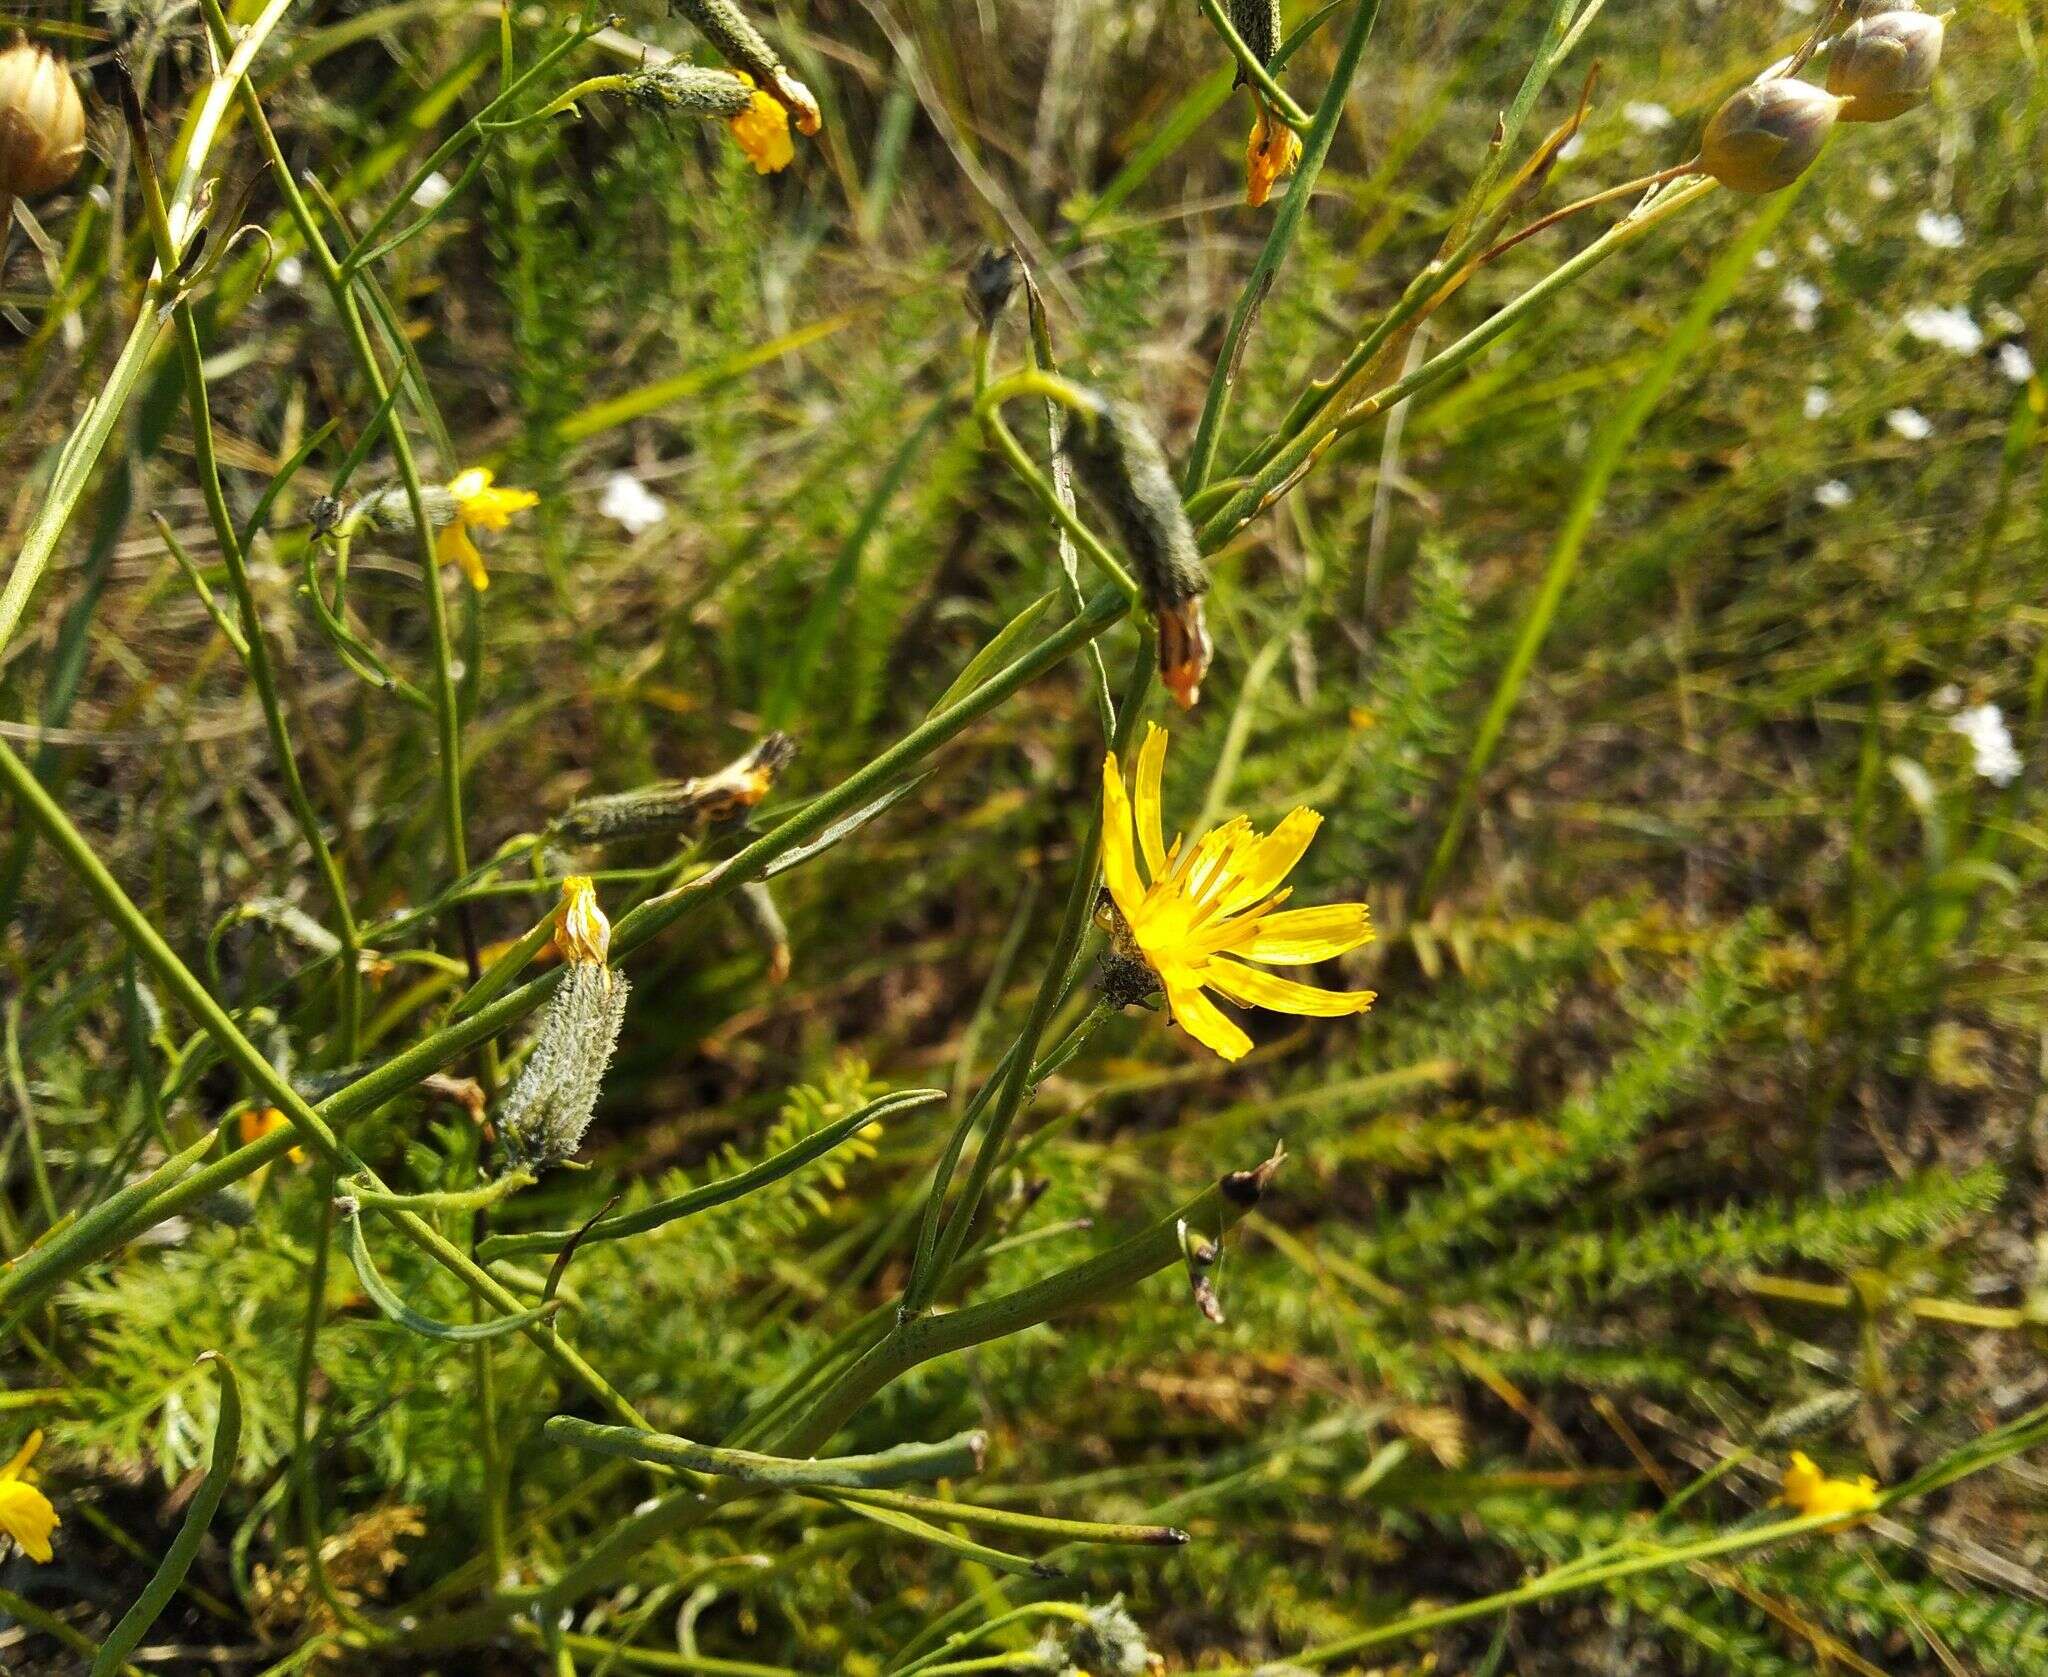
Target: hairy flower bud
(1884,64)
(992,280)
(546,1113)
(733,33)
(681,806)
(1766,135)
(1257,23)
(42,123)
(677,86)
(1115,454)
(1108,1643)
(382,511)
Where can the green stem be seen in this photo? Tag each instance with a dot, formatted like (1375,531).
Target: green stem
(1315,150)
(1255,72)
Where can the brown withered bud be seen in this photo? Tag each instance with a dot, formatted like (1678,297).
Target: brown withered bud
(992,280)
(1114,453)
(1766,135)
(42,122)
(1884,64)
(1257,23)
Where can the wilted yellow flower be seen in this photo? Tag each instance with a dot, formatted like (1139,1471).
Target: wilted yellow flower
(1810,1491)
(582,933)
(1270,156)
(1211,907)
(256,1122)
(762,130)
(25,1513)
(478,503)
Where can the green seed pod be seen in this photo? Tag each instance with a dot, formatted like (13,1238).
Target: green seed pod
(546,1112)
(992,280)
(1257,23)
(1115,454)
(1767,134)
(1884,64)
(676,86)
(42,123)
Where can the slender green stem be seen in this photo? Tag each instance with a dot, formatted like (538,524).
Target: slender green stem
(1315,150)
(1255,72)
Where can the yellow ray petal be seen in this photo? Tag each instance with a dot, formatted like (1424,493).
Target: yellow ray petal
(1151,771)
(1282,995)
(453,547)
(1307,934)
(1209,864)
(1119,862)
(23,1456)
(1207,1023)
(1263,865)
(27,1517)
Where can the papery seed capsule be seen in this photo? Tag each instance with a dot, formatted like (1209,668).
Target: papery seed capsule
(1766,135)
(992,280)
(1257,23)
(42,122)
(1884,64)
(1115,454)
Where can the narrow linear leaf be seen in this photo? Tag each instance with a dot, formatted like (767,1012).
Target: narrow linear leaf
(381,1295)
(909,1525)
(947,1459)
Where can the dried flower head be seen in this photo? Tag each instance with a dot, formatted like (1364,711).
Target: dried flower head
(1108,1643)
(1213,906)
(1884,64)
(1269,155)
(582,933)
(992,280)
(1766,135)
(762,129)
(42,122)
(25,1513)
(1114,453)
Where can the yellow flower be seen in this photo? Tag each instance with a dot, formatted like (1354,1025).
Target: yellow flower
(1270,156)
(25,1513)
(480,504)
(762,130)
(1810,1491)
(582,933)
(256,1122)
(1216,900)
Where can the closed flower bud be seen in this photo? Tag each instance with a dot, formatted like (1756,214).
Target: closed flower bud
(992,281)
(546,1113)
(676,86)
(582,933)
(1115,454)
(1767,134)
(1885,63)
(42,123)
(681,807)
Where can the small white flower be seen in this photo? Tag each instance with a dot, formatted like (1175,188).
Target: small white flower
(1818,402)
(1880,186)
(1803,299)
(1834,493)
(1990,743)
(1947,696)
(1645,117)
(1943,232)
(291,273)
(1802,8)
(630,503)
(1818,247)
(2015,363)
(431,191)
(1910,423)
(1572,147)
(1950,328)
(1766,258)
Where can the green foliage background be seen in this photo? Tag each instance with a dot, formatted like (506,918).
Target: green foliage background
(1702,1107)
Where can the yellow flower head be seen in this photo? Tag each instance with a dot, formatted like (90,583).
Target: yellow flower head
(25,1513)
(1210,908)
(1810,1491)
(256,1122)
(478,504)
(762,130)
(1270,156)
(582,933)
